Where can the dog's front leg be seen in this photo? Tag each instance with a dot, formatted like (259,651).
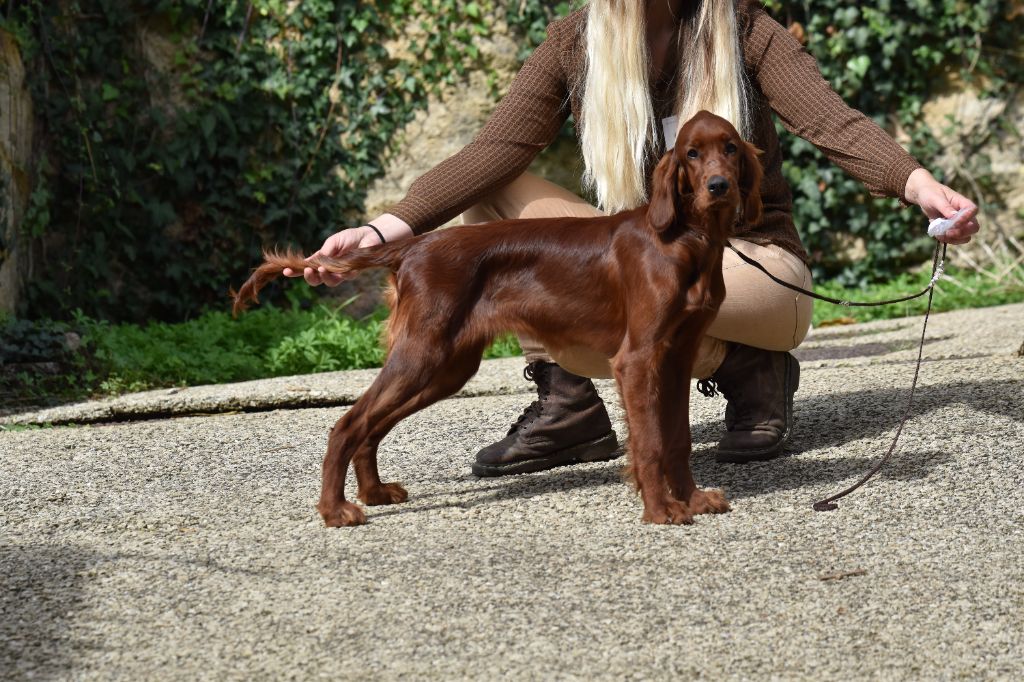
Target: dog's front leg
(675,395)
(638,374)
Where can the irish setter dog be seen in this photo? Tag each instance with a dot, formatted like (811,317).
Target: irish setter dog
(640,286)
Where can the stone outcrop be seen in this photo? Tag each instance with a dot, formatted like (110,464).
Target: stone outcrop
(451,121)
(984,159)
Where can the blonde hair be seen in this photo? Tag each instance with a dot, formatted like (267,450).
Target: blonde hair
(618,130)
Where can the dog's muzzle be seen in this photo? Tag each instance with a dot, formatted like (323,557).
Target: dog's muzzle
(718,186)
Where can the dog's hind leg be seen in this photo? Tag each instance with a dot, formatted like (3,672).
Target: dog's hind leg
(446,378)
(342,443)
(412,379)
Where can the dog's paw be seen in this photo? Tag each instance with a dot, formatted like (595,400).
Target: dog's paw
(708,502)
(344,514)
(385,493)
(674,512)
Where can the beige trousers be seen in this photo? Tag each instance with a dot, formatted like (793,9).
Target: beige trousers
(756,311)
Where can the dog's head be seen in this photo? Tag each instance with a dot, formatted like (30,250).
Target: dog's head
(711,170)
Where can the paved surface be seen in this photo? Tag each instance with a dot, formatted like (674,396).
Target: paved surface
(188,547)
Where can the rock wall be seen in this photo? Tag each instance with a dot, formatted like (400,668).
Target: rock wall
(451,121)
(15,160)
(985,160)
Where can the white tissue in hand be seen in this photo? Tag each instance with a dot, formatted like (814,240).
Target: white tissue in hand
(940,226)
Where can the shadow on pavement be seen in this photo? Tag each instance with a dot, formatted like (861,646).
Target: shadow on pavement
(823,422)
(40,591)
(861,350)
(831,421)
(41,596)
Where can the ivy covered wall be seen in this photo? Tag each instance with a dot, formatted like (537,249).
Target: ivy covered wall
(175,139)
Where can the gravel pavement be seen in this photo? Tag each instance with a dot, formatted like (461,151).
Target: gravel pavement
(153,542)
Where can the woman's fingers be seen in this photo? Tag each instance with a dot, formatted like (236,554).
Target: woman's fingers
(336,245)
(331,279)
(312,277)
(964,228)
(940,201)
(966,225)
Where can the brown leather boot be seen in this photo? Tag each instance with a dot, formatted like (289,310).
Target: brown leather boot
(759,385)
(567,424)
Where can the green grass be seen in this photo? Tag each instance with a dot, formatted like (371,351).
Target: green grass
(214,348)
(267,342)
(262,343)
(957,290)
(211,349)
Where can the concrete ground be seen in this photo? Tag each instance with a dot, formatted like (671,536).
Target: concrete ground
(172,535)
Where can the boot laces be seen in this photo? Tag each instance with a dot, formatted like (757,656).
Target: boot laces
(708,387)
(536,372)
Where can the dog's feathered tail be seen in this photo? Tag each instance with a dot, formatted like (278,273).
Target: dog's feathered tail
(274,263)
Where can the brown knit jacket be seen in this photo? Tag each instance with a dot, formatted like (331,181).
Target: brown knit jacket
(785,79)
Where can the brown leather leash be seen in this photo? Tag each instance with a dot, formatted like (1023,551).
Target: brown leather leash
(938,260)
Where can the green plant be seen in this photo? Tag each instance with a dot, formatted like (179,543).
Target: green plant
(506,346)
(959,288)
(182,136)
(885,58)
(212,348)
(266,342)
(333,342)
(40,361)
(531,18)
(26,341)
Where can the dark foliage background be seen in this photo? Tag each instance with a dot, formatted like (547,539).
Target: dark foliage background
(266,120)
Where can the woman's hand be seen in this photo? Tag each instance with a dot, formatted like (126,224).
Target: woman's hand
(939,201)
(392,227)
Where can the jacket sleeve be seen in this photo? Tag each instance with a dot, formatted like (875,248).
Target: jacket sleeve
(807,106)
(526,121)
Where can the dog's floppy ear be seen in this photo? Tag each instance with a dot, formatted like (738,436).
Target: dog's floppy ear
(664,190)
(750,183)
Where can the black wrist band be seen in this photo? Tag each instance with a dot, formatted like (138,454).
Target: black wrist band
(374,228)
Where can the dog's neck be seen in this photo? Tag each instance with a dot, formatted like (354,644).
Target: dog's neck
(713,225)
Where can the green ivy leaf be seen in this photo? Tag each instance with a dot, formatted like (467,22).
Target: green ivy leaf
(859,65)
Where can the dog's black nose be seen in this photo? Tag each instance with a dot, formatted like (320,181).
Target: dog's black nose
(718,185)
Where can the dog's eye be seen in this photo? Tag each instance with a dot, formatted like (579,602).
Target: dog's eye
(692,154)
(730,148)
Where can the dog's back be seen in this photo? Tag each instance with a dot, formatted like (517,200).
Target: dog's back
(472,278)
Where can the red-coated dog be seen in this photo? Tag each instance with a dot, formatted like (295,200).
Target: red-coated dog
(640,286)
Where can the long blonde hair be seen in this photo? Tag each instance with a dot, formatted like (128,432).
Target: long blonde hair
(619,131)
